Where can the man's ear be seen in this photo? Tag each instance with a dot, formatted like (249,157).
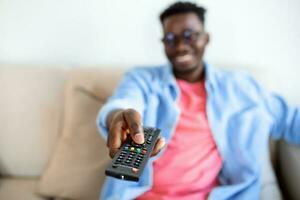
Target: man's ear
(207,38)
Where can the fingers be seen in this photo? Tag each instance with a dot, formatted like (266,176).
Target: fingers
(120,124)
(115,138)
(160,143)
(133,121)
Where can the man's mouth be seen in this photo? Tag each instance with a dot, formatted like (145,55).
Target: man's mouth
(183,58)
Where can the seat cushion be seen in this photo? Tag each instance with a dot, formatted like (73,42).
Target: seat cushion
(19,189)
(76,170)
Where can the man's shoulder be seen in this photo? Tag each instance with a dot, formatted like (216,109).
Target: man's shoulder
(233,75)
(148,69)
(236,78)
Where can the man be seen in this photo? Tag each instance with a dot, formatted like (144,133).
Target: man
(215,124)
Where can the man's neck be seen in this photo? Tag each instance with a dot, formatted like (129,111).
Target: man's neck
(192,76)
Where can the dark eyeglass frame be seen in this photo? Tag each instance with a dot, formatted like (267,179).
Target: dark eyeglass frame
(188,36)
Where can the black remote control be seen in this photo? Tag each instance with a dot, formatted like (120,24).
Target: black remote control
(130,160)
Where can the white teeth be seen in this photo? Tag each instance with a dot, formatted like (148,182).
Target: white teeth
(184,58)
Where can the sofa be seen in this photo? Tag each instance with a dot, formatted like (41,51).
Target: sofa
(50,147)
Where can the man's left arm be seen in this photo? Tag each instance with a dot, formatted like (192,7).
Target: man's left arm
(286,118)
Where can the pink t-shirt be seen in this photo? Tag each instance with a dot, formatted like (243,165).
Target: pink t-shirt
(190,164)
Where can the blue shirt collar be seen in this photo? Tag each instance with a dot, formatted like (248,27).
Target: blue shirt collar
(169,78)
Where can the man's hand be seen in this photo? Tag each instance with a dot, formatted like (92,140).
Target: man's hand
(124,123)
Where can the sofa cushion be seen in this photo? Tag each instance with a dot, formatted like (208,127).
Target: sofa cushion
(76,170)
(30,114)
(19,189)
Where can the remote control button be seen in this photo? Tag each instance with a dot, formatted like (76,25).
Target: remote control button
(134,170)
(114,165)
(131,148)
(144,151)
(138,150)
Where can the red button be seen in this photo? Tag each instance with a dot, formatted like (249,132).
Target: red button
(134,170)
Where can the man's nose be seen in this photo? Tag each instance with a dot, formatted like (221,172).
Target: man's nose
(181,46)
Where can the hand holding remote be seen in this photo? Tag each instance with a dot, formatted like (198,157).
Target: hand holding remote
(124,123)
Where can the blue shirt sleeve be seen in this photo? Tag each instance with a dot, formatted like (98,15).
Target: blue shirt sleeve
(285,118)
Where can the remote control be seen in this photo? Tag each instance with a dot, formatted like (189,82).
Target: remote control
(130,160)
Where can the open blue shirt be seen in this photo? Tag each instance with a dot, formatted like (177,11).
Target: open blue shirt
(242,115)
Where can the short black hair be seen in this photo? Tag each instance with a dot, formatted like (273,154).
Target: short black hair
(182,7)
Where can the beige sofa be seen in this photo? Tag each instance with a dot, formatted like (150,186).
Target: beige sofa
(49,144)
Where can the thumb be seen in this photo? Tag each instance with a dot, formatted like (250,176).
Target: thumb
(133,120)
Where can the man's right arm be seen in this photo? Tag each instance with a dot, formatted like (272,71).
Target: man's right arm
(122,116)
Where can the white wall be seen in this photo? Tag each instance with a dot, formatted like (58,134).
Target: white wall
(261,35)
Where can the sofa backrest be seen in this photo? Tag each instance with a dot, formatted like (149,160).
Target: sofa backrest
(31,105)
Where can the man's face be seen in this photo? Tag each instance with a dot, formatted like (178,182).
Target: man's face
(185,41)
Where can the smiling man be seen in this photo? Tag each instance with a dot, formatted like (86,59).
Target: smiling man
(185,41)
(215,124)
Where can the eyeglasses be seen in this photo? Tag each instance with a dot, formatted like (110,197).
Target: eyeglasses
(188,36)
